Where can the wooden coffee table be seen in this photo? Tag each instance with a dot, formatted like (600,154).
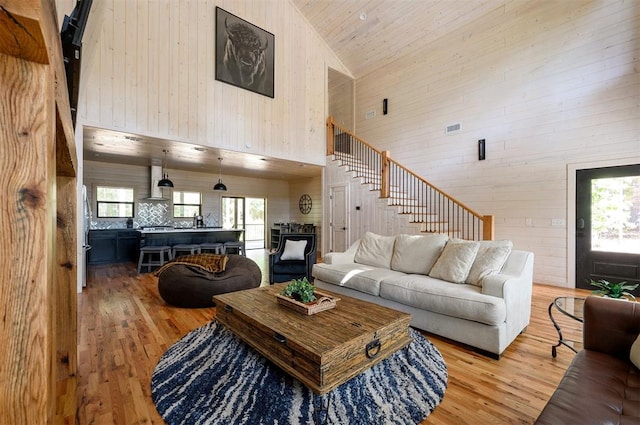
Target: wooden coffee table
(323,350)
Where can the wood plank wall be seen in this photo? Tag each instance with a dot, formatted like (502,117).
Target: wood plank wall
(341,99)
(153,74)
(547,84)
(313,188)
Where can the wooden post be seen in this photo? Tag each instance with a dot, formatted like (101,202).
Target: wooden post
(384,177)
(37,218)
(27,196)
(66,279)
(488,228)
(330,136)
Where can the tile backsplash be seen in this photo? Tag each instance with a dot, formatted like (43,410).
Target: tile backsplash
(152,214)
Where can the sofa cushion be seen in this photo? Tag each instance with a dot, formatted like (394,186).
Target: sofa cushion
(427,293)
(417,253)
(360,277)
(375,250)
(456,259)
(489,260)
(597,388)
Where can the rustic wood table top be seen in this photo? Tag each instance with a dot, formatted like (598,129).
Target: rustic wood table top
(322,350)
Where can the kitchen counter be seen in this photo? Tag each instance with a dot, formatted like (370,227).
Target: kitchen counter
(188,230)
(171,236)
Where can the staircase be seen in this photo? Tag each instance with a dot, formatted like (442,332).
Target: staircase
(412,196)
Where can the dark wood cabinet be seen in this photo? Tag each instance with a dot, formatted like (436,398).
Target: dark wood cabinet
(103,246)
(128,246)
(113,246)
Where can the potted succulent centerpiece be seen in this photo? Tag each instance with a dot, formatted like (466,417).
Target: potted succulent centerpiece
(300,290)
(613,290)
(302,296)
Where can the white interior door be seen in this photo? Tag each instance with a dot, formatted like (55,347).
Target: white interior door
(338,219)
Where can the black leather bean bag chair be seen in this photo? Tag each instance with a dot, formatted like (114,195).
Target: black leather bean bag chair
(190,286)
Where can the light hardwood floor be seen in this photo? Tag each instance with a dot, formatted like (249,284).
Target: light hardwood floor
(124,327)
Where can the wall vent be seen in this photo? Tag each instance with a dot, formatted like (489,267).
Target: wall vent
(452,128)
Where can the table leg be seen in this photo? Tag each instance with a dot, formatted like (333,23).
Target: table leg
(561,341)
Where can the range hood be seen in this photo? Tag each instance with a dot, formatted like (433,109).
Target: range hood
(156,192)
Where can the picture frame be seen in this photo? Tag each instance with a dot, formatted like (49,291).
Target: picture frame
(244,54)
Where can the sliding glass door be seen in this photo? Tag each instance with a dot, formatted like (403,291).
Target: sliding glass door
(246,213)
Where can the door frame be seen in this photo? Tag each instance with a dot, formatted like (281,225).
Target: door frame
(571,207)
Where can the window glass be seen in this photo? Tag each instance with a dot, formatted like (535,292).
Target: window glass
(114,202)
(615,214)
(186,204)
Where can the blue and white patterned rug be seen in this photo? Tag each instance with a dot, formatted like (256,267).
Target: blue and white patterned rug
(212,377)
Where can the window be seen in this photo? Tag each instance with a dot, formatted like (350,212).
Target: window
(186,204)
(114,202)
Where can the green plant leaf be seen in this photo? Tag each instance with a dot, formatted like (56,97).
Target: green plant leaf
(300,289)
(613,290)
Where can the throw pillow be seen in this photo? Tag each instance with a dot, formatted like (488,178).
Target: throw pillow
(417,253)
(375,250)
(456,259)
(634,355)
(490,258)
(293,250)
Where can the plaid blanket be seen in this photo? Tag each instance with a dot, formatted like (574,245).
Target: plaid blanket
(213,263)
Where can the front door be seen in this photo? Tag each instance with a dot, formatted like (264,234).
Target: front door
(608,225)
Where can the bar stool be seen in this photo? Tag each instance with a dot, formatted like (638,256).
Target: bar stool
(234,245)
(150,251)
(191,248)
(216,247)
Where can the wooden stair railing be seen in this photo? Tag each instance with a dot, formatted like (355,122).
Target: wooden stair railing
(437,211)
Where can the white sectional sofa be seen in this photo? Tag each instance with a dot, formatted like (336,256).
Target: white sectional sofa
(476,293)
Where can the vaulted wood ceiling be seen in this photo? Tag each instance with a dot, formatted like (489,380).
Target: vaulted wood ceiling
(368,34)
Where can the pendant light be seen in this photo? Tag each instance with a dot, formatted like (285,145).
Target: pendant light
(165,182)
(220,186)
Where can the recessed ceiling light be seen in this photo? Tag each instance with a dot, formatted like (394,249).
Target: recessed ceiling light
(363,16)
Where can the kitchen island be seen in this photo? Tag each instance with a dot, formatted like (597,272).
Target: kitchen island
(196,235)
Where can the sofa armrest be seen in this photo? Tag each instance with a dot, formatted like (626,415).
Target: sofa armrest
(342,257)
(516,273)
(514,284)
(610,326)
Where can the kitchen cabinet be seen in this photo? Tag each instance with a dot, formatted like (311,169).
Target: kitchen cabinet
(113,246)
(128,246)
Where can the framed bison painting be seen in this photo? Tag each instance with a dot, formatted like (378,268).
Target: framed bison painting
(244,54)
